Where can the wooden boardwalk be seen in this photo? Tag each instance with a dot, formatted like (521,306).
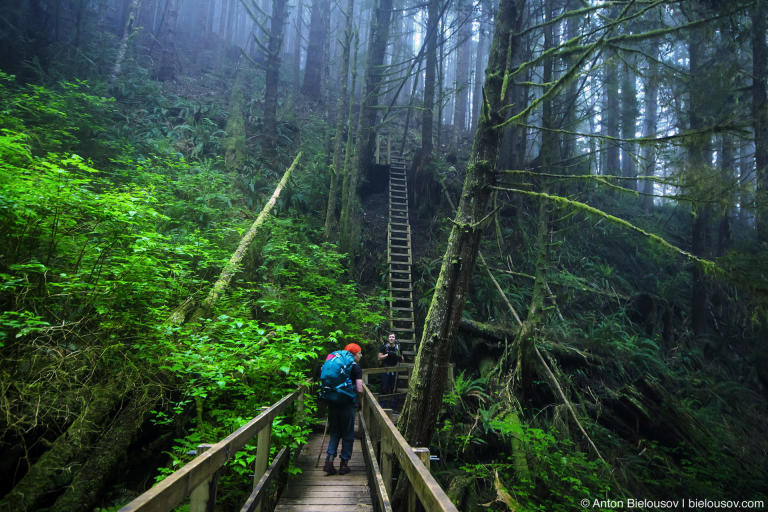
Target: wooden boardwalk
(314,491)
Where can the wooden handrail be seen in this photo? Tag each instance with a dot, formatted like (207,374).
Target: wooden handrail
(259,490)
(171,491)
(377,486)
(429,492)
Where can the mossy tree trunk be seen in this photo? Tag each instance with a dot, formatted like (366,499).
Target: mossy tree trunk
(105,460)
(649,126)
(349,235)
(272,81)
(167,70)
(427,114)
(428,378)
(128,32)
(699,158)
(317,51)
(464,13)
(760,114)
(234,144)
(343,125)
(53,470)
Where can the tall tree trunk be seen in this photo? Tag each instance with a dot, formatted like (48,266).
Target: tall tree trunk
(440,78)
(464,13)
(128,30)
(727,164)
(610,124)
(234,144)
(230,20)
(699,160)
(343,125)
(317,50)
(167,69)
(272,81)
(429,78)
(649,127)
(570,119)
(424,399)
(225,6)
(297,48)
(628,120)
(479,62)
(760,115)
(349,236)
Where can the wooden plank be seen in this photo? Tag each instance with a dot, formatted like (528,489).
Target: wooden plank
(172,490)
(360,507)
(314,490)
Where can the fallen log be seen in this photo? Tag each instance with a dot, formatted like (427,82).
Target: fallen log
(179,315)
(52,471)
(105,460)
(491,332)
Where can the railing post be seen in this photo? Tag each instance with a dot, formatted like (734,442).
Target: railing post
(203,497)
(262,454)
(413,500)
(300,406)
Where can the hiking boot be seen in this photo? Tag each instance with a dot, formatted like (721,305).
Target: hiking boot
(343,468)
(328,468)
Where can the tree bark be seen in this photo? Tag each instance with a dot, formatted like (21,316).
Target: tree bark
(343,120)
(349,236)
(272,80)
(491,332)
(464,13)
(128,31)
(423,401)
(699,160)
(760,115)
(317,50)
(47,474)
(234,144)
(105,459)
(649,127)
(429,78)
(610,124)
(167,69)
(628,120)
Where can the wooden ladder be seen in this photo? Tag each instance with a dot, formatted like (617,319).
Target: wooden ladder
(401,320)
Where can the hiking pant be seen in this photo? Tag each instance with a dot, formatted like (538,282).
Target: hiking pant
(388,383)
(341,426)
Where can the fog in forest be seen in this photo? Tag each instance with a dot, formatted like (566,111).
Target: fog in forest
(559,207)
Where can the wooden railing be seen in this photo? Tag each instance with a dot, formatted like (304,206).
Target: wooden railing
(390,448)
(197,479)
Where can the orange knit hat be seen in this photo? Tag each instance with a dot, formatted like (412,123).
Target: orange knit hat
(354,348)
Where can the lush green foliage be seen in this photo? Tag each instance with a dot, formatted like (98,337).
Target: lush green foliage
(113,217)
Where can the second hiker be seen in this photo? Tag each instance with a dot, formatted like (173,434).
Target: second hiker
(342,380)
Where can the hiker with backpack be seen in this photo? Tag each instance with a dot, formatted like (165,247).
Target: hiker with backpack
(341,380)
